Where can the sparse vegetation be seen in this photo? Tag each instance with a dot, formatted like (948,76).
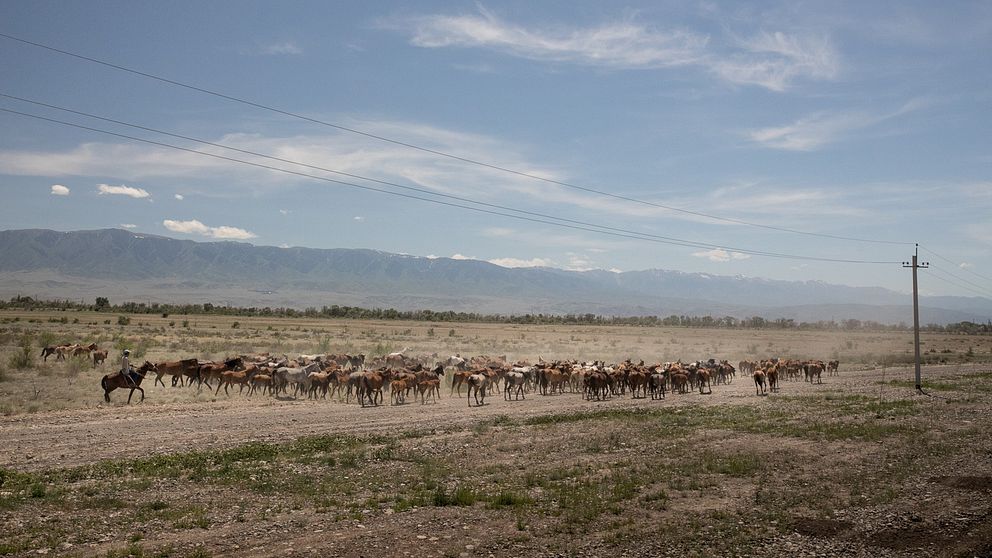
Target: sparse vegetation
(620,473)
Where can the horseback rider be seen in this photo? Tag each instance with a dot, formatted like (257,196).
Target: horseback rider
(126,369)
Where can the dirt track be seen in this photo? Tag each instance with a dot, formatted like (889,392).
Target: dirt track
(76,437)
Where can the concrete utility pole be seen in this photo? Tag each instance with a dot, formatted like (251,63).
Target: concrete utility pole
(916,312)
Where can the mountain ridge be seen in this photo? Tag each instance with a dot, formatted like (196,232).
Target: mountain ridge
(80,263)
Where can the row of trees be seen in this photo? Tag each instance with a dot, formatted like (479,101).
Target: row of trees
(103,304)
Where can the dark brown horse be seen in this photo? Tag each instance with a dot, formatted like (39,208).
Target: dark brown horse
(110,382)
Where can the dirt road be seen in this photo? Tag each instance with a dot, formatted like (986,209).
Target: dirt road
(68,438)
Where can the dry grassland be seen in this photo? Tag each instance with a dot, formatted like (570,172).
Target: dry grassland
(858,466)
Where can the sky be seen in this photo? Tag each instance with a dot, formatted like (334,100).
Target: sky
(786,140)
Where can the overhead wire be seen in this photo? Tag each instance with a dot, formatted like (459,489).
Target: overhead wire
(561,223)
(956,264)
(350,175)
(440,153)
(938,275)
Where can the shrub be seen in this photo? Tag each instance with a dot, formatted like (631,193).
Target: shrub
(24,357)
(46,338)
(123,320)
(74,366)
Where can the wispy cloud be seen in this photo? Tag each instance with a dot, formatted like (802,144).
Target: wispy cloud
(966,265)
(122,190)
(59,190)
(773,60)
(198,228)
(179,197)
(128,226)
(624,44)
(281,48)
(720,255)
(820,129)
(517,262)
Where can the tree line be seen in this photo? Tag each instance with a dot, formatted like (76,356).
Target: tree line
(103,304)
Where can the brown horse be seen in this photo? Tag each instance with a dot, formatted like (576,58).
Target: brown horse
(110,382)
(99,357)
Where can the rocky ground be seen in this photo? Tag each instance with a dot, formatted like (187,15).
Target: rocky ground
(856,466)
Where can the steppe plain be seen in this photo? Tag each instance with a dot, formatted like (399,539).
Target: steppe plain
(860,465)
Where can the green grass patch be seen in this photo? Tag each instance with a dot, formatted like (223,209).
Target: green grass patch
(509,499)
(460,496)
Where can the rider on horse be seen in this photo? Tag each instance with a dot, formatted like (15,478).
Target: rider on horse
(126,369)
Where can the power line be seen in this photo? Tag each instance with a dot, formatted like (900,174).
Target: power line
(585,227)
(956,264)
(957,281)
(350,175)
(441,153)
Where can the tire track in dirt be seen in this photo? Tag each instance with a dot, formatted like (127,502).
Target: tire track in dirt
(78,437)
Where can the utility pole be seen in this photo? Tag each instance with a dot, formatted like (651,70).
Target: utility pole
(916,312)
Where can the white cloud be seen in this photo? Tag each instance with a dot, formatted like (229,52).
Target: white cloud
(122,190)
(966,265)
(769,60)
(461,257)
(179,197)
(819,129)
(285,211)
(196,227)
(516,262)
(624,44)
(720,255)
(128,226)
(281,48)
(358,218)
(775,60)
(59,190)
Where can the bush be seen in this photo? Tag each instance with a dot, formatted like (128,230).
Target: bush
(46,339)
(24,357)
(74,366)
(123,320)
(138,348)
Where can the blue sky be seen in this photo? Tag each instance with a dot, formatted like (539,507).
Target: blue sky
(863,120)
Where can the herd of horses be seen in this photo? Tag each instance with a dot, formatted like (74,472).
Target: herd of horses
(62,352)
(350,376)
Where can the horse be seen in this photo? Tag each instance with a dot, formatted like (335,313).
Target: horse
(47,351)
(759,382)
(99,357)
(110,382)
(478,383)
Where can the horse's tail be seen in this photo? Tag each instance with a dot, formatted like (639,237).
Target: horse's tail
(103,383)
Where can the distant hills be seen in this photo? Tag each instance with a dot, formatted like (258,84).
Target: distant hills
(123,265)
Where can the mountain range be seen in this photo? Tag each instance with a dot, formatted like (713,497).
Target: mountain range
(127,266)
